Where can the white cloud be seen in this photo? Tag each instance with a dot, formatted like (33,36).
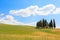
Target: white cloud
(33,10)
(25,12)
(45,10)
(56,11)
(8,19)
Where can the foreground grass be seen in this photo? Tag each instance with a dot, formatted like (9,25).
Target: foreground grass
(8,32)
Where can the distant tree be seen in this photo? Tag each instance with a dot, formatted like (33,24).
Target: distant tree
(39,24)
(51,24)
(43,21)
(54,24)
(46,23)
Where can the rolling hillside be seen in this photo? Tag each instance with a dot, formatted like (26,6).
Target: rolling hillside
(13,32)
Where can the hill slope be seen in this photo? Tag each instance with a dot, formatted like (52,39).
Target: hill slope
(11,32)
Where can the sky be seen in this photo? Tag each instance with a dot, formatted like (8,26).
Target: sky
(29,12)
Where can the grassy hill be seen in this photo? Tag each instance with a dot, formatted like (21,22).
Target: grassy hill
(13,32)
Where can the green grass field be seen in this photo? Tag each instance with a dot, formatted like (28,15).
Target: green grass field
(11,32)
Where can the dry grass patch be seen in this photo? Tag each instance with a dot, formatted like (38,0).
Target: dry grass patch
(33,36)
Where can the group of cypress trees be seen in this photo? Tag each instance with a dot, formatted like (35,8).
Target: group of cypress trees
(44,24)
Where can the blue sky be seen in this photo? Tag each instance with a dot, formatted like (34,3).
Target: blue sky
(28,12)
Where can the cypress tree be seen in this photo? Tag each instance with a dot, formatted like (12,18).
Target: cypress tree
(39,24)
(54,24)
(51,24)
(46,23)
(43,23)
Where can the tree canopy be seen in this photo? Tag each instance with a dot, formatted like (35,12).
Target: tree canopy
(44,24)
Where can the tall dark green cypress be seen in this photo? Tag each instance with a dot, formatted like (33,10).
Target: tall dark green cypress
(46,23)
(39,24)
(43,22)
(54,24)
(51,24)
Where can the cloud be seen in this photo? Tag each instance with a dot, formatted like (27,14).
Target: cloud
(25,12)
(56,11)
(8,19)
(45,10)
(33,10)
